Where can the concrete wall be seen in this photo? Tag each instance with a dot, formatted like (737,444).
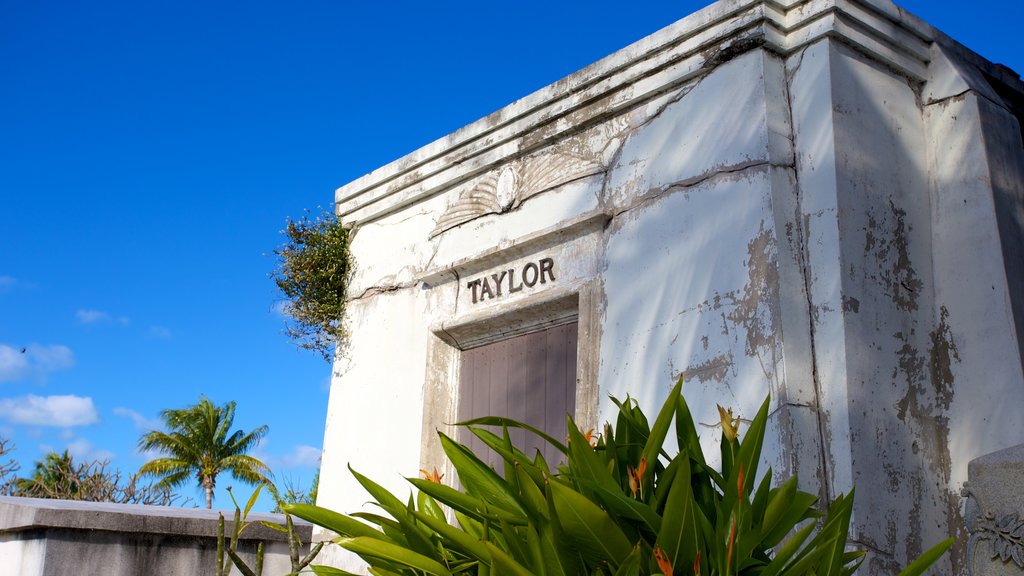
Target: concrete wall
(55,537)
(821,200)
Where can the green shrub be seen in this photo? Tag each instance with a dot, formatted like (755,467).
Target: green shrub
(620,505)
(312,273)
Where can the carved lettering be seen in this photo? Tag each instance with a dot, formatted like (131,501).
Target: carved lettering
(547,266)
(485,289)
(474,285)
(497,282)
(493,285)
(526,274)
(512,288)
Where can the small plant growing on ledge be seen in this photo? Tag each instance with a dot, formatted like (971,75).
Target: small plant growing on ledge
(312,273)
(620,505)
(229,545)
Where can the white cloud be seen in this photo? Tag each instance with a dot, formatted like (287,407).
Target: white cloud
(51,358)
(84,452)
(100,317)
(140,421)
(92,316)
(301,456)
(59,411)
(13,363)
(159,332)
(33,361)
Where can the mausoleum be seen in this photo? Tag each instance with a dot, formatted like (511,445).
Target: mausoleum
(821,200)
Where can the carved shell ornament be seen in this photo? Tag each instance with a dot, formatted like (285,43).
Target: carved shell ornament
(503,189)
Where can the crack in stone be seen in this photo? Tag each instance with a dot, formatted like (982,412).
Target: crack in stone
(686,89)
(377,290)
(659,192)
(802,260)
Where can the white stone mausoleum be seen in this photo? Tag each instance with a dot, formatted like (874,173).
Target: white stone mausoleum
(821,200)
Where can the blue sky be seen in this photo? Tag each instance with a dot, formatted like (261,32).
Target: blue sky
(151,151)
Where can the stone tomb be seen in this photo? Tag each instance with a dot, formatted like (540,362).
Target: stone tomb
(821,200)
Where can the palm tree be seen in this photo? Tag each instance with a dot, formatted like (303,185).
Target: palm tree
(198,445)
(55,476)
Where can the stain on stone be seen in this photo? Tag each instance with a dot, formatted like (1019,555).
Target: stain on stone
(717,56)
(924,411)
(756,309)
(941,355)
(892,252)
(712,369)
(851,304)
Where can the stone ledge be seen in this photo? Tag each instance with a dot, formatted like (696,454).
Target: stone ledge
(25,514)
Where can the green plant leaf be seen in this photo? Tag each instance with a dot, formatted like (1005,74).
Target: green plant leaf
(631,565)
(751,443)
(252,500)
(467,504)
(656,438)
(788,551)
(626,507)
(588,526)
(429,506)
(321,570)
(272,526)
(587,467)
(480,480)
(503,564)
(343,525)
(924,561)
(498,444)
(372,548)
(687,438)
(681,535)
(509,422)
(455,538)
(531,495)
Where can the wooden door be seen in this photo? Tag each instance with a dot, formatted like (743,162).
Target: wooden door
(531,378)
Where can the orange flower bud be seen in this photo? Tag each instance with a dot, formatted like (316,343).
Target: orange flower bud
(662,560)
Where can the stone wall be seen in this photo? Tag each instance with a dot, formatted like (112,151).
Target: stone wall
(40,537)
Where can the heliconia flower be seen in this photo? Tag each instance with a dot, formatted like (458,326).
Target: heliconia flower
(591,438)
(696,564)
(663,564)
(739,483)
(636,477)
(434,476)
(730,424)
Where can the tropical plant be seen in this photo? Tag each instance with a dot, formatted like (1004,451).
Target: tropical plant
(312,273)
(620,505)
(8,468)
(293,494)
(59,476)
(199,444)
(229,546)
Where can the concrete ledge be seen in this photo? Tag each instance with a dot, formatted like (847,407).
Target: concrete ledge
(21,514)
(41,537)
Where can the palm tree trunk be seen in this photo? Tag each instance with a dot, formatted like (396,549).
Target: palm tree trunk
(209,496)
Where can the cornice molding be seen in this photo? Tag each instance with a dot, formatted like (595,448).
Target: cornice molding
(632,76)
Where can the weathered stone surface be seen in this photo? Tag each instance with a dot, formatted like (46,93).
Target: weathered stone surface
(55,537)
(820,199)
